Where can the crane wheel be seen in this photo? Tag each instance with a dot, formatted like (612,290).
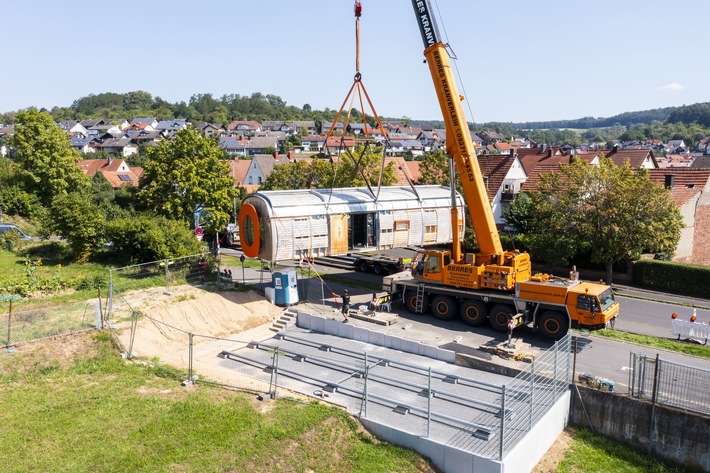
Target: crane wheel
(553,325)
(474,313)
(499,316)
(410,301)
(444,307)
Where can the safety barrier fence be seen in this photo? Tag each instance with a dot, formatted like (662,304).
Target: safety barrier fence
(162,275)
(669,383)
(37,322)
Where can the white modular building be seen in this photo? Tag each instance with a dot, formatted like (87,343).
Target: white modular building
(286,225)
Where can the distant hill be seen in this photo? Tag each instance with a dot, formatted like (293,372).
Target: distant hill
(260,107)
(697,113)
(624,119)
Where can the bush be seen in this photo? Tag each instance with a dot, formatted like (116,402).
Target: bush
(96,282)
(16,201)
(10,240)
(146,237)
(55,250)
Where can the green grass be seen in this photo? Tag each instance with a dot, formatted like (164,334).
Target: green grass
(687,348)
(235,262)
(590,453)
(98,413)
(83,280)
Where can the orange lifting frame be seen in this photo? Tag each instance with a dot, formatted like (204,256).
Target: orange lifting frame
(360,87)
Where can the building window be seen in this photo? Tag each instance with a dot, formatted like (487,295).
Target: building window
(430,233)
(401,225)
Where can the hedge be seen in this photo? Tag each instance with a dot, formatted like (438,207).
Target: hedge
(677,278)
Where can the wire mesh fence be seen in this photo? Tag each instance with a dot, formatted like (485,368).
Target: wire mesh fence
(669,383)
(195,270)
(26,324)
(487,417)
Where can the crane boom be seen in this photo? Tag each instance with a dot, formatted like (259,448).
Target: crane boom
(459,145)
(492,267)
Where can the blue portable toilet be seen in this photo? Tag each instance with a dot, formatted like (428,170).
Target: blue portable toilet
(285,285)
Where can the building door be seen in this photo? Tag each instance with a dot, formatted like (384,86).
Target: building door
(338,234)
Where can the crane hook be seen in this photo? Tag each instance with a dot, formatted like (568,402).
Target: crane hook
(358,9)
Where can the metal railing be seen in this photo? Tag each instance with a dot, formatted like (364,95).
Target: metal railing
(669,383)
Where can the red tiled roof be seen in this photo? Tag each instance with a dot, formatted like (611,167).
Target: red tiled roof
(92,166)
(636,157)
(251,125)
(414,170)
(238,169)
(687,182)
(115,178)
(494,168)
(402,171)
(529,157)
(347,142)
(530,184)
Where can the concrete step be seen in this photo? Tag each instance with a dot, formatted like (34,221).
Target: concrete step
(285,320)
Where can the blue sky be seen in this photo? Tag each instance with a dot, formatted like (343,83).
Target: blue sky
(518,60)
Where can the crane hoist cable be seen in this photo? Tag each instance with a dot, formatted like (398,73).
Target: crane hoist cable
(454,61)
(359,87)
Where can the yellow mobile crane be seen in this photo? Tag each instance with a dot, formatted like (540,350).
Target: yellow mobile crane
(492,284)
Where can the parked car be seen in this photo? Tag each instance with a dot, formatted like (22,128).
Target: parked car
(6,227)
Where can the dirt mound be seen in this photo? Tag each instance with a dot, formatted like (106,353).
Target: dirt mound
(163,331)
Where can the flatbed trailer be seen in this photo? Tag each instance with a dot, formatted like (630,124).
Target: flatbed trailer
(381,264)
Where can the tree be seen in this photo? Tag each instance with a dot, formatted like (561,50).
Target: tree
(74,217)
(615,211)
(434,169)
(186,174)
(354,167)
(48,166)
(321,173)
(288,176)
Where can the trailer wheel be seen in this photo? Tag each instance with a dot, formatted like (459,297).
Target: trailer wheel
(553,325)
(378,269)
(499,316)
(392,269)
(410,301)
(474,313)
(444,307)
(362,266)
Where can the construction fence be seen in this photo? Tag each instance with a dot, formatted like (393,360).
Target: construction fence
(669,383)
(43,321)
(38,321)
(194,270)
(485,417)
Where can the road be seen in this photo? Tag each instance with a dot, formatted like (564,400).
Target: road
(640,313)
